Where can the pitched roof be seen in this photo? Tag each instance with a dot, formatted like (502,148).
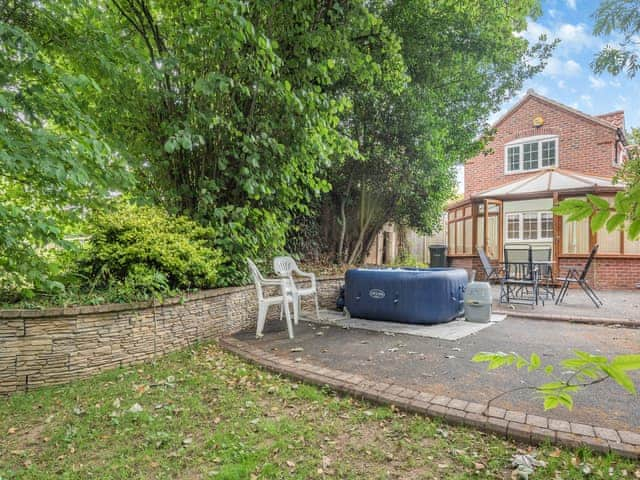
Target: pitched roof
(549,181)
(615,118)
(605,122)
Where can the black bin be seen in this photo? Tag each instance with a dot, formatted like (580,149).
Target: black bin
(438,254)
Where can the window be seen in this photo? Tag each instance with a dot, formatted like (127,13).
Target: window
(533,153)
(513,158)
(513,226)
(546,225)
(529,226)
(460,226)
(530,156)
(575,236)
(549,153)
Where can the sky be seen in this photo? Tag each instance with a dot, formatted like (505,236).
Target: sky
(568,77)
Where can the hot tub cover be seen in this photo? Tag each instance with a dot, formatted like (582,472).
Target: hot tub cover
(408,295)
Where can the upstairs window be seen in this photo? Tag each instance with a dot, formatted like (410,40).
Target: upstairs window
(532,153)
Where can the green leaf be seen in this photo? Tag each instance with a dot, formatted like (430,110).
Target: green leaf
(626,362)
(566,400)
(598,202)
(621,378)
(615,221)
(550,402)
(599,219)
(634,229)
(534,362)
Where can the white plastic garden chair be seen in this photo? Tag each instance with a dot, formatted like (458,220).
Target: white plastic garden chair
(286,267)
(264,302)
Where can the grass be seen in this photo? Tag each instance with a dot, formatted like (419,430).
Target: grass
(207,414)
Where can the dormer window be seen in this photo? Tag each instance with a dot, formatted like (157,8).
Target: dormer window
(532,153)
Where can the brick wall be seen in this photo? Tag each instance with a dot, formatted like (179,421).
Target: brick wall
(54,346)
(583,146)
(608,272)
(469,264)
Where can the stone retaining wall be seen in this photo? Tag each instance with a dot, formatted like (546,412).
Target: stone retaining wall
(54,346)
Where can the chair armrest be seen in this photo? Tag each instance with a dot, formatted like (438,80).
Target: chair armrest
(309,275)
(277,282)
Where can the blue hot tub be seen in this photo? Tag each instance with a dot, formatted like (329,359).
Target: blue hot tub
(424,296)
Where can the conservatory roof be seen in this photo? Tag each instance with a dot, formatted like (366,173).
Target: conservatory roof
(547,182)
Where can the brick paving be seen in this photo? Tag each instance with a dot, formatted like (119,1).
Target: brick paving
(513,424)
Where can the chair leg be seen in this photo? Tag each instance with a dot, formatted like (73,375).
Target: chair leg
(317,306)
(296,309)
(562,292)
(262,315)
(591,294)
(287,314)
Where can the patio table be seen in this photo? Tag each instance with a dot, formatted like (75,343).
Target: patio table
(527,282)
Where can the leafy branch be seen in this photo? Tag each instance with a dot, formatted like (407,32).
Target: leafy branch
(585,370)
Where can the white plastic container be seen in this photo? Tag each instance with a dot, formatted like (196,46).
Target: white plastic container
(477,302)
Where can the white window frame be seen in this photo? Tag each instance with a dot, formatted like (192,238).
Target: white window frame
(520,216)
(520,142)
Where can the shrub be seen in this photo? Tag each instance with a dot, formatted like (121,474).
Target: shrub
(142,251)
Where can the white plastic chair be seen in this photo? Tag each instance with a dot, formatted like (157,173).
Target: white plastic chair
(286,267)
(264,303)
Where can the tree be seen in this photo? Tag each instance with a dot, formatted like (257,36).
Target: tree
(54,160)
(227,111)
(462,62)
(615,16)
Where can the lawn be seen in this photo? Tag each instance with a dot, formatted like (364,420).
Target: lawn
(202,413)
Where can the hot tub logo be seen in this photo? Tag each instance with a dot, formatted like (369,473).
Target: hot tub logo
(376,293)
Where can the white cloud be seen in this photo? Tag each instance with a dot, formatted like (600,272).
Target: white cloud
(571,4)
(573,37)
(596,82)
(559,68)
(586,101)
(615,83)
(622,103)
(541,89)
(562,84)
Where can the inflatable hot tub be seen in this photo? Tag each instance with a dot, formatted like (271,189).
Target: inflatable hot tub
(407,295)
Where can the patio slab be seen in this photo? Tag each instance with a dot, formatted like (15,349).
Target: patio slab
(620,306)
(444,368)
(453,330)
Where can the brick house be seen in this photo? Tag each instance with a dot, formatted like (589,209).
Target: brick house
(543,152)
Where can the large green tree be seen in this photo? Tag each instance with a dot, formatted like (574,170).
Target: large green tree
(228,111)
(462,62)
(55,161)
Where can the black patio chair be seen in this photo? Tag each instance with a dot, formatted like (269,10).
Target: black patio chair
(573,276)
(492,273)
(541,258)
(520,283)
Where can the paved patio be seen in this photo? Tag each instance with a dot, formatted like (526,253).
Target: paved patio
(444,368)
(619,305)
